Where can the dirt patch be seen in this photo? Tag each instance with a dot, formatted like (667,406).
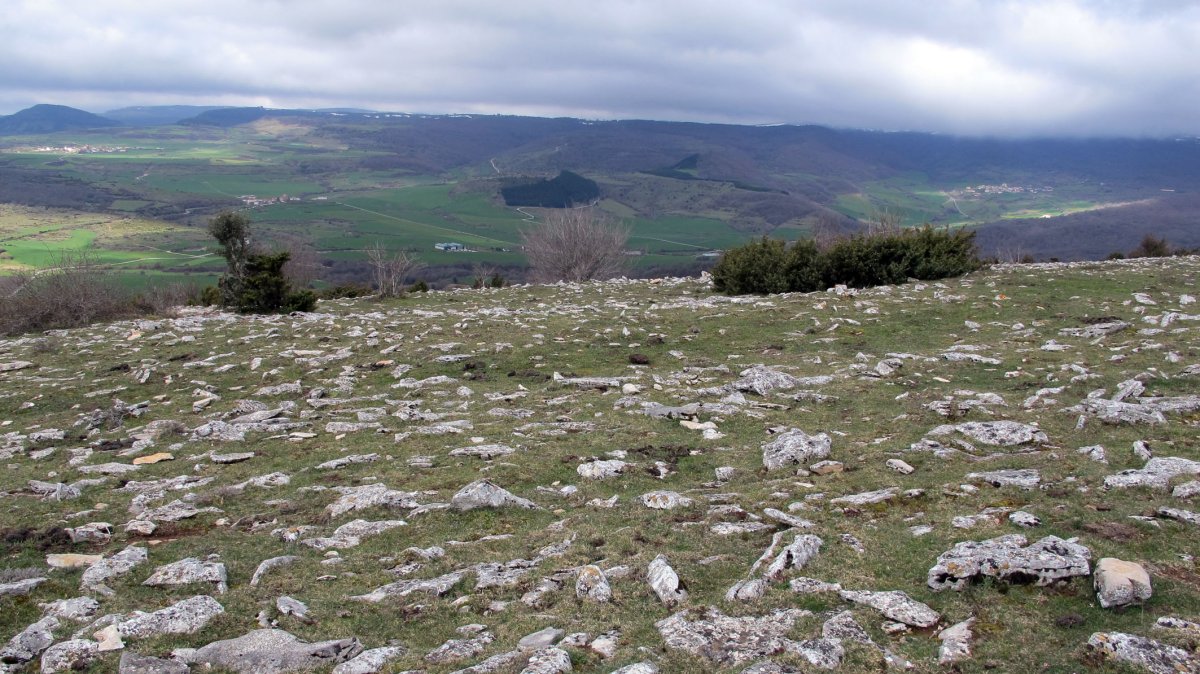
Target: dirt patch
(1114,531)
(50,538)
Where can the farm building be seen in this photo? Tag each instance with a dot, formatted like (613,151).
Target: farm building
(450,246)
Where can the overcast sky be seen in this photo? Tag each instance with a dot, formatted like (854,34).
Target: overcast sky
(1019,67)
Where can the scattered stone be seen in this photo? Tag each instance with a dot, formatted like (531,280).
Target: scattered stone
(591,584)
(1153,656)
(30,642)
(867,498)
(132,663)
(274,652)
(1024,520)
(794,447)
(1025,478)
(1180,515)
(435,586)
(269,564)
(1003,433)
(486,494)
(540,639)
(370,496)
(77,609)
(665,500)
(188,571)
(728,640)
(600,470)
(153,458)
(1120,583)
(899,466)
(370,661)
(1009,558)
(71,561)
(548,661)
(1156,474)
(121,563)
(956,642)
(665,582)
(896,605)
(70,655)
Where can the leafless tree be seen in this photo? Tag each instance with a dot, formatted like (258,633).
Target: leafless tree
(828,229)
(390,270)
(303,265)
(75,290)
(575,244)
(884,222)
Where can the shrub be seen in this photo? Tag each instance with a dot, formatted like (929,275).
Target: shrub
(419,287)
(575,244)
(345,290)
(73,292)
(266,290)
(1151,246)
(391,269)
(759,267)
(860,261)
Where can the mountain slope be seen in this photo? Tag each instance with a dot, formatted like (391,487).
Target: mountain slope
(45,118)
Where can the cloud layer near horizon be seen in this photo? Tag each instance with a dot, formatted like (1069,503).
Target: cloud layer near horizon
(1016,67)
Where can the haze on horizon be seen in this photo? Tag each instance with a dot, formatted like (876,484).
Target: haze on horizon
(970,67)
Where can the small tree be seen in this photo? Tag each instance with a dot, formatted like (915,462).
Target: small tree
(575,244)
(390,269)
(234,243)
(1152,246)
(253,282)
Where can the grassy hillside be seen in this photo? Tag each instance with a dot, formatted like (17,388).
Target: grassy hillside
(409,393)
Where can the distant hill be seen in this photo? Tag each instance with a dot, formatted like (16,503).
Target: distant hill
(158,115)
(45,118)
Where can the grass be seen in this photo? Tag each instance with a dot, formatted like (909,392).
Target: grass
(516,338)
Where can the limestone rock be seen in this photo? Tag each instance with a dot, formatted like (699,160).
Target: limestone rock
(599,470)
(665,500)
(375,495)
(746,590)
(728,640)
(796,555)
(1153,656)
(77,608)
(434,586)
(69,655)
(269,564)
(1120,583)
(132,663)
(895,605)
(274,652)
(487,494)
(866,498)
(30,642)
(1002,433)
(187,571)
(549,660)
(1156,474)
(956,642)
(638,668)
(1025,478)
(121,563)
(794,447)
(591,584)
(1008,558)
(370,661)
(184,617)
(665,582)
(540,639)
(1179,514)
(71,561)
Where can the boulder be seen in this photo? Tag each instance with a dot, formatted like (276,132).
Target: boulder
(895,605)
(1147,654)
(794,447)
(274,652)
(1009,558)
(1120,583)
(591,584)
(728,640)
(665,582)
(487,494)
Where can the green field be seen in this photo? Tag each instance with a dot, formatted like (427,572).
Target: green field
(164,183)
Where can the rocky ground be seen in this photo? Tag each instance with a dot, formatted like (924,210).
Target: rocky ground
(992,473)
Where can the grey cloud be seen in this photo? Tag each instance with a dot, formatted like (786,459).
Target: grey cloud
(960,66)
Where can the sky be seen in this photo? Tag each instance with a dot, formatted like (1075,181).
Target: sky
(966,67)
